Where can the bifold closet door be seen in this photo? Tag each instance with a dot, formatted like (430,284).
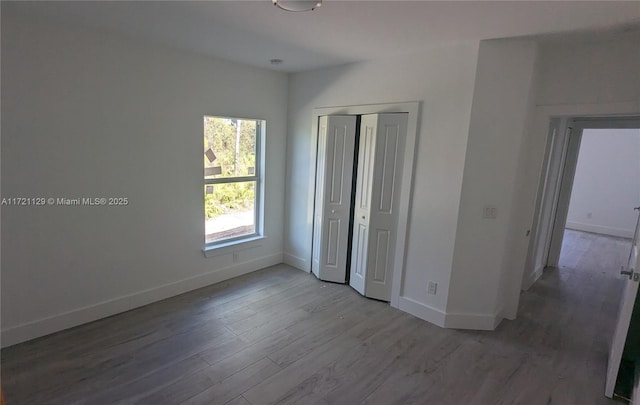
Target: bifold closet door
(380,160)
(334,173)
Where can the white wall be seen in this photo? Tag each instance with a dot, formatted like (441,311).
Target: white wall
(443,80)
(577,77)
(88,114)
(606,186)
(582,72)
(496,136)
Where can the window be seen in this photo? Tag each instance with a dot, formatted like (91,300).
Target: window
(231,178)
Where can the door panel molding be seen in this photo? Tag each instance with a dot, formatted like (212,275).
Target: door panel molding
(380,266)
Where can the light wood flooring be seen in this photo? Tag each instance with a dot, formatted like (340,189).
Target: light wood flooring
(281,336)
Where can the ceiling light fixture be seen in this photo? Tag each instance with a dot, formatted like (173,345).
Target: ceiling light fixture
(297,5)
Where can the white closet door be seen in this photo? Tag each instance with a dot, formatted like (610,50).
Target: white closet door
(336,143)
(359,246)
(377,198)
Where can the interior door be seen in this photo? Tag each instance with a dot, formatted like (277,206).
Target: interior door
(380,160)
(334,173)
(624,315)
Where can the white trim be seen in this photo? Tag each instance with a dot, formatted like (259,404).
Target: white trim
(233,246)
(472,321)
(55,323)
(586,110)
(566,176)
(546,200)
(422,311)
(297,262)
(406,188)
(531,278)
(604,230)
(447,319)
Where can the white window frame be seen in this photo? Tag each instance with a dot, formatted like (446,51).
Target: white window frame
(258,177)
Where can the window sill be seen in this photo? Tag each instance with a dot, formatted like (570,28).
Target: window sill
(234,246)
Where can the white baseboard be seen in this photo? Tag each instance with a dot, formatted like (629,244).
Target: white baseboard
(297,262)
(531,278)
(55,323)
(472,321)
(449,320)
(604,230)
(422,311)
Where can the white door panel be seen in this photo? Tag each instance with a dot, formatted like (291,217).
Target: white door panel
(388,157)
(392,129)
(379,176)
(319,197)
(380,263)
(333,239)
(336,143)
(359,257)
(366,159)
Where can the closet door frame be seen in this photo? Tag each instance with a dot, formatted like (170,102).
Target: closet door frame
(406,189)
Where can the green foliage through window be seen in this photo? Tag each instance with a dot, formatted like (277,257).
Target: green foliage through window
(224,198)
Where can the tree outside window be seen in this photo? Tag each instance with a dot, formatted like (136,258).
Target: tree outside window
(231,178)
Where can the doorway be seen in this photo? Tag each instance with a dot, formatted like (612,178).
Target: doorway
(587,221)
(600,217)
(357,195)
(557,180)
(599,187)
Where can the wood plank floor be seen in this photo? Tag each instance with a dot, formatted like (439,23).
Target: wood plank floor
(281,336)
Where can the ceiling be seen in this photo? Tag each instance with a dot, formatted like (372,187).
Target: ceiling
(253,32)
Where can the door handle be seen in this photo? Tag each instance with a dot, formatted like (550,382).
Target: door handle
(628,273)
(637,208)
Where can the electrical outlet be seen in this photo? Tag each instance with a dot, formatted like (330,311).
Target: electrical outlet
(490,213)
(432,288)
